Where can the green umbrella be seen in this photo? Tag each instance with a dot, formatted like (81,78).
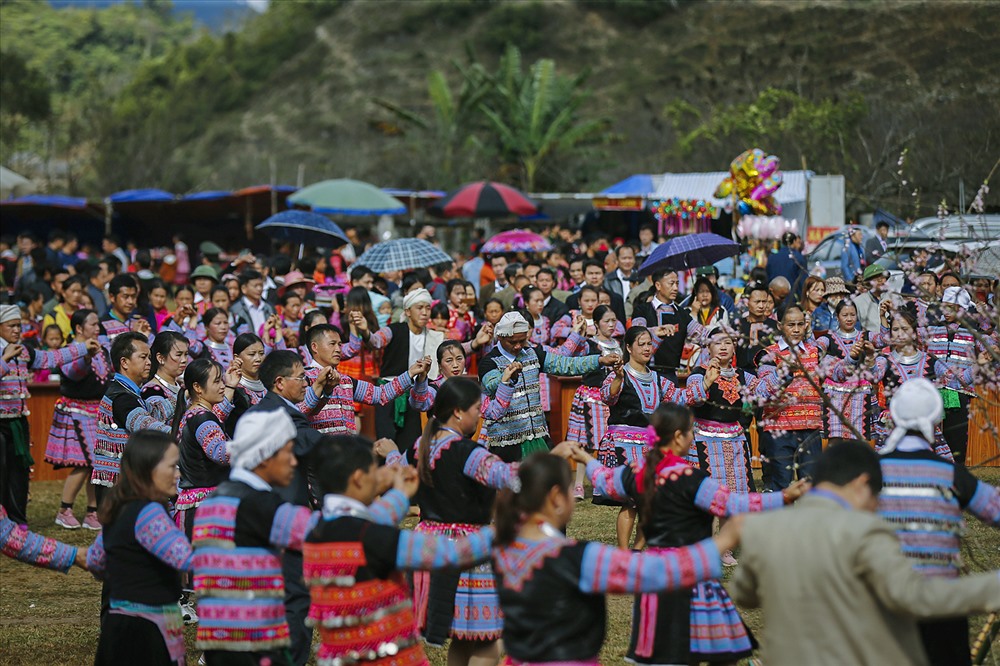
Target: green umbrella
(344,196)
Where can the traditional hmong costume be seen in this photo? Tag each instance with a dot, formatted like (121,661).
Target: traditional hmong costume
(458,503)
(588,415)
(333,413)
(688,626)
(247,394)
(626,441)
(18,542)
(158,387)
(552,591)
(74,422)
(15,439)
(140,556)
(113,327)
(669,349)
(851,401)
(720,422)
(204,458)
(523,429)
(360,599)
(121,413)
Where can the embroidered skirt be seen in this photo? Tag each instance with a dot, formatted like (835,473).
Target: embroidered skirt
(588,417)
(453,604)
(621,445)
(722,450)
(850,402)
(688,626)
(73,433)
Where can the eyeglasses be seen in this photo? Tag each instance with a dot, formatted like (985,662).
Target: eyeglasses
(300,378)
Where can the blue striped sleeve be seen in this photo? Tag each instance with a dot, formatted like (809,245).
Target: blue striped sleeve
(985,504)
(607,481)
(609,570)
(488,470)
(417,550)
(161,537)
(97,559)
(291,524)
(140,419)
(390,509)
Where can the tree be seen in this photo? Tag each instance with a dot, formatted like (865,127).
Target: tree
(536,115)
(25,97)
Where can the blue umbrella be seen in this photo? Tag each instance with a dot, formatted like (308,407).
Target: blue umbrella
(685,252)
(402,254)
(305,228)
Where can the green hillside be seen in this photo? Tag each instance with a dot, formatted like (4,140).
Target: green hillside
(843,87)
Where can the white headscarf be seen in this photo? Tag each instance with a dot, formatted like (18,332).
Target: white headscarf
(510,324)
(416,296)
(9,313)
(916,405)
(957,296)
(259,435)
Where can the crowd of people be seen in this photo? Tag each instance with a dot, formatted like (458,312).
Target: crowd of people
(210,414)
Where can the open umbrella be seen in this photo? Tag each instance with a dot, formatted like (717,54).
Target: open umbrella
(516,240)
(402,254)
(483,199)
(344,196)
(684,252)
(304,228)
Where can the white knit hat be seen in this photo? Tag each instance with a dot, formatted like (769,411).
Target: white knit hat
(916,405)
(416,296)
(259,435)
(510,324)
(9,313)
(957,296)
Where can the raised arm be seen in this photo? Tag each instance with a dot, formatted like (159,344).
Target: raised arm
(389,509)
(160,536)
(56,358)
(568,366)
(213,441)
(617,483)
(608,570)
(369,394)
(290,525)
(429,551)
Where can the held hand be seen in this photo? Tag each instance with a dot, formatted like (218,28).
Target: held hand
(322,380)
(417,369)
(385,478)
(619,369)
(385,446)
(729,536)
(884,307)
(610,360)
(11,351)
(359,322)
(796,490)
(81,558)
(579,324)
(233,373)
(509,371)
(484,336)
(580,454)
(712,373)
(857,349)
(93,347)
(407,480)
(140,325)
(564,449)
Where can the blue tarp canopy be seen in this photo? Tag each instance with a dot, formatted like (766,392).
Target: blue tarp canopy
(59,201)
(210,195)
(640,184)
(140,196)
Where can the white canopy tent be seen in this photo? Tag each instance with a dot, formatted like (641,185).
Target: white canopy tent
(14,185)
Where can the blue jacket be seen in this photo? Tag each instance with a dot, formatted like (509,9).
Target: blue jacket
(789,264)
(850,261)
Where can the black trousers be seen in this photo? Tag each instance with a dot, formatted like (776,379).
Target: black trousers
(296,607)
(956,428)
(131,640)
(946,642)
(385,426)
(13,475)
(223,658)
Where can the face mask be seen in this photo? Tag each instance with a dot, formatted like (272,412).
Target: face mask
(382,318)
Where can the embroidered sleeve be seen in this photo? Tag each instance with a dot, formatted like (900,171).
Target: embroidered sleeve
(607,396)
(20,543)
(575,344)
(562,328)
(569,366)
(495,407)
(422,396)
(369,394)
(696,387)
(682,396)
(488,470)
(140,419)
(954,375)
(290,526)
(351,348)
(978,497)
(223,409)
(312,402)
(378,339)
(611,481)
(58,357)
(391,508)
(161,537)
(279,344)
(695,330)
(213,441)
(76,369)
(428,552)
(608,570)
(161,408)
(716,499)
(491,381)
(97,559)
(395,459)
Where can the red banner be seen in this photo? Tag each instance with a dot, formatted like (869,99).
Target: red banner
(619,203)
(816,234)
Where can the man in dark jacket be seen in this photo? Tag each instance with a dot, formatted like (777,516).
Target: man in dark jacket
(788,262)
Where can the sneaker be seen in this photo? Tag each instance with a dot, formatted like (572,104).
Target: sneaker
(90,522)
(188,612)
(728,560)
(65,518)
(578,492)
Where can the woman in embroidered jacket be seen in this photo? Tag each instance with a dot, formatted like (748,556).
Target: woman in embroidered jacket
(139,554)
(459,479)
(552,589)
(168,358)
(215,338)
(74,423)
(632,392)
(679,502)
(354,565)
(451,361)
(248,349)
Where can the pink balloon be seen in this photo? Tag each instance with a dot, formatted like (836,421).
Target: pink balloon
(768,166)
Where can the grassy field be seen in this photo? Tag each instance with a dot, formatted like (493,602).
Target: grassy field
(48,618)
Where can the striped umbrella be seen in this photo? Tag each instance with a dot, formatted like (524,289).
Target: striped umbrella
(516,240)
(691,251)
(483,199)
(402,254)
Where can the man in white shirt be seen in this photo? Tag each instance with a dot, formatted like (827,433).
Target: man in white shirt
(620,281)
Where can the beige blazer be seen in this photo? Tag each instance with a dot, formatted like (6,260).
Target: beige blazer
(835,588)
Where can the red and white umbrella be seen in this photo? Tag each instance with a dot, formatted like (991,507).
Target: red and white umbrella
(484,199)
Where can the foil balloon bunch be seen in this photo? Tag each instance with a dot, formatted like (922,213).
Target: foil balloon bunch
(753,177)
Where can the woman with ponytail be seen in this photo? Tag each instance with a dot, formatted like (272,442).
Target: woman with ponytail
(552,589)
(458,482)
(139,554)
(204,454)
(678,502)
(248,349)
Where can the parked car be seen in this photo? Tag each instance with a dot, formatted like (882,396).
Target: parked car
(827,253)
(957,228)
